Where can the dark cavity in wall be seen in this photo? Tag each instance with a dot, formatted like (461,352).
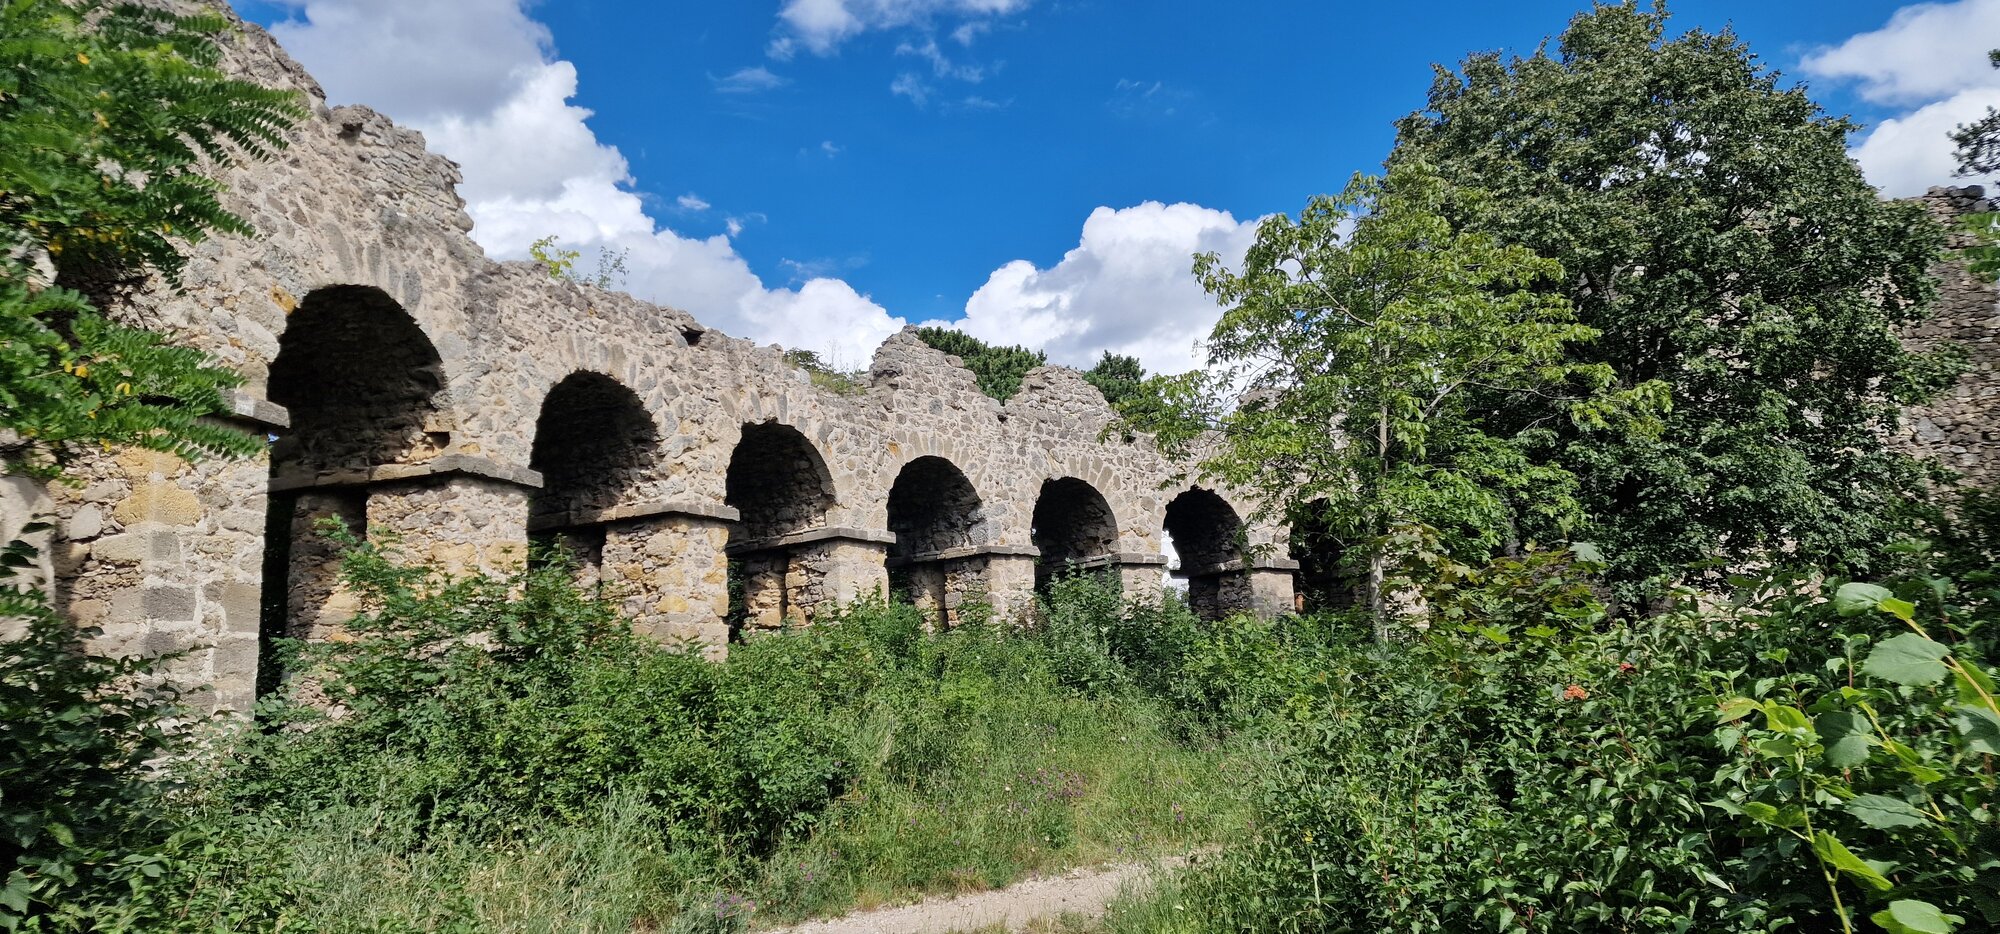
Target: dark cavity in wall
(933,511)
(1209,537)
(595,447)
(361,382)
(780,486)
(1074,530)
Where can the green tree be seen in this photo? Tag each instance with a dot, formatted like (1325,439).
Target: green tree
(108,118)
(562,263)
(1365,357)
(999,369)
(1979,141)
(1714,232)
(106,122)
(1117,376)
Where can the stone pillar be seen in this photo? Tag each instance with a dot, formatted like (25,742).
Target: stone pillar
(1271,590)
(458,523)
(1140,576)
(667,573)
(923,584)
(766,599)
(1010,585)
(851,569)
(316,601)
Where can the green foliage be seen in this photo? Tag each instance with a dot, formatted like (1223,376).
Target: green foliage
(105,125)
(1979,141)
(999,369)
(1878,766)
(466,750)
(107,119)
(562,263)
(77,815)
(1805,757)
(830,378)
(107,114)
(1388,339)
(1713,231)
(1117,376)
(70,380)
(1983,257)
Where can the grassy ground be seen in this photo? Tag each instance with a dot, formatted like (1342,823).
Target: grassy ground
(947,763)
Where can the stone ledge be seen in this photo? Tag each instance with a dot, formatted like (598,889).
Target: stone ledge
(708,512)
(1119,559)
(968,551)
(467,465)
(1237,565)
(246,409)
(810,536)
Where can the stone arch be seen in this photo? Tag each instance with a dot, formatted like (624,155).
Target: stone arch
(939,523)
(1325,580)
(363,386)
(783,492)
(1074,529)
(1209,538)
(595,446)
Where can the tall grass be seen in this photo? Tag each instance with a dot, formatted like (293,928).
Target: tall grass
(557,774)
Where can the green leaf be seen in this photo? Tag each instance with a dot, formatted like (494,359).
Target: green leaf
(1974,684)
(1735,708)
(1908,659)
(1885,813)
(1980,727)
(1909,916)
(1836,854)
(1856,598)
(1901,609)
(1786,718)
(1848,738)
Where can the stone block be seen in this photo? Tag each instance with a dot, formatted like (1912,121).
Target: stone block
(147,542)
(159,502)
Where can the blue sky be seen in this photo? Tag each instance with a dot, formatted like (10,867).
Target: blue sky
(818,172)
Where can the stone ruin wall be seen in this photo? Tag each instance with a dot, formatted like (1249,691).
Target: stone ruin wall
(1961,430)
(166,557)
(357,222)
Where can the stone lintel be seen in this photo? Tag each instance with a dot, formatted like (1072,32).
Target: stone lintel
(810,536)
(248,411)
(1119,559)
(1236,565)
(968,551)
(701,512)
(465,465)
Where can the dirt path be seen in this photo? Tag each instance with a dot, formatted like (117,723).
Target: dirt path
(1082,892)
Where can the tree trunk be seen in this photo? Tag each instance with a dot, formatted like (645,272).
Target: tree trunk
(1378,607)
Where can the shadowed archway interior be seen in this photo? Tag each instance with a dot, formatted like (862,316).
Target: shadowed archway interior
(780,486)
(1074,529)
(361,382)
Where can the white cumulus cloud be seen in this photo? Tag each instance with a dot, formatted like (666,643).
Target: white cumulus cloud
(477,77)
(822,25)
(1930,60)
(1127,287)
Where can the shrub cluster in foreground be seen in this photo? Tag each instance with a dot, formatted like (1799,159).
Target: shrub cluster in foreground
(1808,758)
(505,754)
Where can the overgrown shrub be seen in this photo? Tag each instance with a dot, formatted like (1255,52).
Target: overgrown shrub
(1527,764)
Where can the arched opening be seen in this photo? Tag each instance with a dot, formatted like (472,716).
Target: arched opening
(781,488)
(1208,539)
(937,520)
(595,444)
(1326,582)
(1074,530)
(361,383)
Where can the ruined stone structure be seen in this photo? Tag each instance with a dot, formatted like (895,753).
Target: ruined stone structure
(1962,428)
(413,388)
